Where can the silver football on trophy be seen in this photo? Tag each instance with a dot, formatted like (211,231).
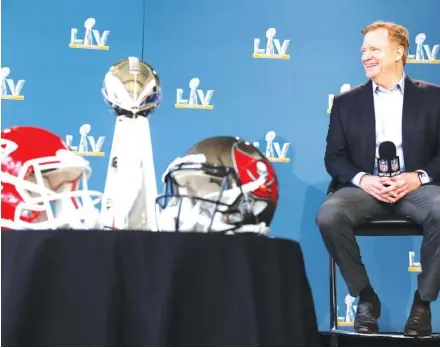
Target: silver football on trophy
(132,88)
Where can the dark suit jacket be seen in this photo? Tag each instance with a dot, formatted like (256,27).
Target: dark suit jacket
(351,139)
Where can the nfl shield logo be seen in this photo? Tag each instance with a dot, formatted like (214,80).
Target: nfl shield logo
(383,166)
(394,164)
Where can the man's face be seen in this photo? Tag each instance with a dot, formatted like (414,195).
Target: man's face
(379,55)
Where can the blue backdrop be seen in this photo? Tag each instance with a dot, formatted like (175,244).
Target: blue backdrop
(223,45)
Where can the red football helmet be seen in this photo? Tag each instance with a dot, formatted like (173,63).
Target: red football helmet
(40,178)
(223,184)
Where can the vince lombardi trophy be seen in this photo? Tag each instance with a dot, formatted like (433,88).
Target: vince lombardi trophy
(132,89)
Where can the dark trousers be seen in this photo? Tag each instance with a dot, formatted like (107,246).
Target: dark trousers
(350,207)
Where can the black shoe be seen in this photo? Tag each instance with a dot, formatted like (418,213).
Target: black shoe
(367,314)
(419,321)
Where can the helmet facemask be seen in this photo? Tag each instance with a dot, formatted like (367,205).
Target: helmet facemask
(207,198)
(54,194)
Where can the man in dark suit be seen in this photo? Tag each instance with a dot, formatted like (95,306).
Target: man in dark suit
(389,107)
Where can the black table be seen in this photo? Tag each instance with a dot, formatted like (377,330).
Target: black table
(133,288)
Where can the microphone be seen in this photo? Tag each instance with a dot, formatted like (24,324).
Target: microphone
(388,163)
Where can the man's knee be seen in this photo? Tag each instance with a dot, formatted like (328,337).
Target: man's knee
(435,214)
(330,216)
(345,208)
(435,210)
(433,217)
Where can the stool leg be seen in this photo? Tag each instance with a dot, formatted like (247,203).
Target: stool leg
(333,304)
(333,299)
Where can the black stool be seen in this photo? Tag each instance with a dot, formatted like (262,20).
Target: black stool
(385,226)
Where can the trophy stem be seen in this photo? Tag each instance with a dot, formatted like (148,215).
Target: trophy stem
(148,173)
(130,189)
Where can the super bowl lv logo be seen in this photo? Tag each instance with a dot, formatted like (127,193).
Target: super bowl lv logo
(413,265)
(424,53)
(99,42)
(274,151)
(350,312)
(274,49)
(11,89)
(344,88)
(196,95)
(88,145)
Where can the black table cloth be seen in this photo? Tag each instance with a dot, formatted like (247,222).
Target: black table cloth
(134,288)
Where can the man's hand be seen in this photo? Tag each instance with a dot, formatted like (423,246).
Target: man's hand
(379,188)
(404,183)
